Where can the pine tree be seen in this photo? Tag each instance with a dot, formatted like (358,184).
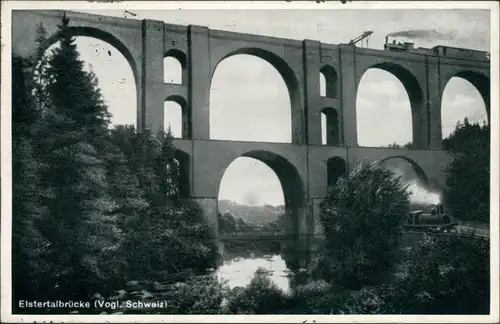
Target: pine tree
(131,205)
(167,169)
(73,92)
(41,40)
(28,245)
(171,235)
(80,224)
(41,78)
(468,173)
(124,185)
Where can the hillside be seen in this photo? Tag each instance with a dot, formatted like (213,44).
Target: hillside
(252,214)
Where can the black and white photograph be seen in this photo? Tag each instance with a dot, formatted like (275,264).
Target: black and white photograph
(274,161)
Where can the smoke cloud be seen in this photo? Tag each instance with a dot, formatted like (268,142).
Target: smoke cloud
(419,195)
(422,196)
(422,34)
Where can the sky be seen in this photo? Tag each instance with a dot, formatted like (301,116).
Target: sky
(249,99)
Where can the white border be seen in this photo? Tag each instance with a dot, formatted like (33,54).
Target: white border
(6,181)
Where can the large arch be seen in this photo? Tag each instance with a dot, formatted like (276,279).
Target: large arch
(482,84)
(287,75)
(114,42)
(462,99)
(415,97)
(104,36)
(291,183)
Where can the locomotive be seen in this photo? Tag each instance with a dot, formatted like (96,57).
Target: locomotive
(400,47)
(435,221)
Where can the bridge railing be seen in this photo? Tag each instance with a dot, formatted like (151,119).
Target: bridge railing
(266,235)
(460,231)
(256,234)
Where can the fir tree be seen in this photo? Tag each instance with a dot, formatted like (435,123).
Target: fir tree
(124,185)
(167,169)
(41,77)
(73,92)
(468,173)
(41,40)
(28,245)
(171,235)
(80,225)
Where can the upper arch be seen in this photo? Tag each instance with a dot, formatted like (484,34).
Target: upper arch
(178,55)
(288,75)
(331,80)
(178,100)
(407,78)
(413,88)
(276,61)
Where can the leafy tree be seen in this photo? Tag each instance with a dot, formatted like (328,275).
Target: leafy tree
(361,221)
(468,174)
(227,222)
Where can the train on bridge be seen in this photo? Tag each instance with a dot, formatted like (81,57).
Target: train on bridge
(443,51)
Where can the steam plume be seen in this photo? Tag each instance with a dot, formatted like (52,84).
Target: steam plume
(419,194)
(422,33)
(422,196)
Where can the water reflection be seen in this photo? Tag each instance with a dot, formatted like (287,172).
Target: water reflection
(240,271)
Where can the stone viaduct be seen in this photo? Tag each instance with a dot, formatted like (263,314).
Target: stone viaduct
(304,166)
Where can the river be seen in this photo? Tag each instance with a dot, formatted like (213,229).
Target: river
(240,271)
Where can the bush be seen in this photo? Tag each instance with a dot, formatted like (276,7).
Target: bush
(261,296)
(361,220)
(367,300)
(443,275)
(201,295)
(317,297)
